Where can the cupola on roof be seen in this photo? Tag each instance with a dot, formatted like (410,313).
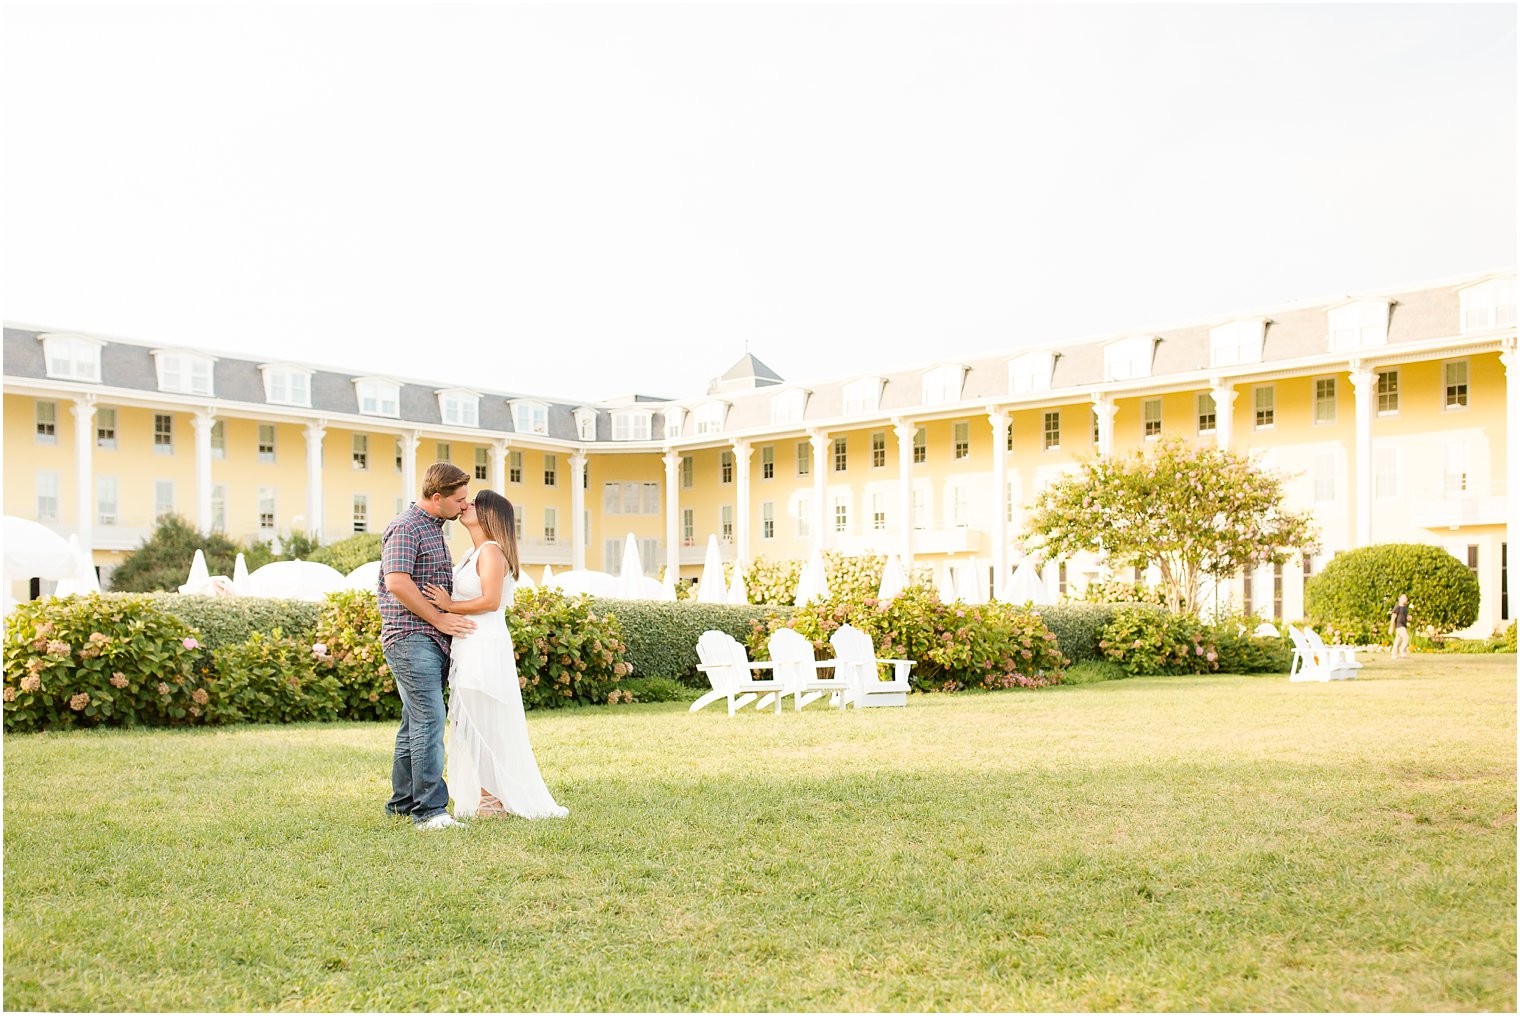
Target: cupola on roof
(747,373)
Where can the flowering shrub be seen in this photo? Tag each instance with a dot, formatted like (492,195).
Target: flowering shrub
(850,577)
(347,644)
(271,679)
(97,660)
(1115,591)
(1240,652)
(956,645)
(1155,642)
(566,651)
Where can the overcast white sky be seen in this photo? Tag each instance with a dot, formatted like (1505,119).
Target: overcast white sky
(584,201)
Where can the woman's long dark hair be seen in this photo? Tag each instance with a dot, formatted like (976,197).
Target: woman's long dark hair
(500,524)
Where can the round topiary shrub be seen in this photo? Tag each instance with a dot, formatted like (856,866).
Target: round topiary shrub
(348,553)
(1357,590)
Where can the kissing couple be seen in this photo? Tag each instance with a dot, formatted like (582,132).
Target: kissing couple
(434,614)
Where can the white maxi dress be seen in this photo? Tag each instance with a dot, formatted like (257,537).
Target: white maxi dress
(487,732)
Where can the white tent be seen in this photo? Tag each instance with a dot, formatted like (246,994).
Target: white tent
(1025,586)
(366,576)
(893,581)
(947,590)
(295,580)
(968,585)
(738,592)
(83,581)
(712,588)
(240,577)
(33,551)
(630,576)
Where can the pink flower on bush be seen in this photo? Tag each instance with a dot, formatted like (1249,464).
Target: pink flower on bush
(78,702)
(163,689)
(31,682)
(118,680)
(195,711)
(190,643)
(10,694)
(99,637)
(200,696)
(57,647)
(319,649)
(1198,650)
(1211,656)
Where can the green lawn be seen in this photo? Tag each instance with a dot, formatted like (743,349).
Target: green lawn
(1169,843)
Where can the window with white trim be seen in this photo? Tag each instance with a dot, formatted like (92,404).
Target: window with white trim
(878,511)
(360,456)
(163,498)
(105,428)
(630,497)
(1385,471)
(1208,413)
(287,386)
(841,513)
(1324,400)
(1031,372)
(459,408)
(186,373)
(514,467)
(445,451)
(1129,358)
(960,440)
(688,527)
(944,384)
(108,500)
(767,520)
(163,433)
(72,357)
(1052,438)
(482,463)
(960,506)
(47,423)
(710,417)
(726,523)
(841,454)
(1387,392)
(1150,419)
(1237,342)
(1266,406)
(768,462)
(585,427)
(1455,376)
(378,397)
(726,467)
(361,513)
(1456,461)
(219,439)
(862,395)
(266,442)
(266,510)
(219,507)
(804,515)
(551,471)
(688,472)
(551,526)
(787,408)
(1359,325)
(530,418)
(1488,305)
(47,496)
(920,445)
(1324,476)
(632,425)
(878,449)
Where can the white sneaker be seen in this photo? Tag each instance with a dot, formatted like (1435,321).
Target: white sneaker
(440,821)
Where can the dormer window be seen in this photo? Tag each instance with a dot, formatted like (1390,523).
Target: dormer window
(72,357)
(863,396)
(1488,305)
(1129,358)
(632,425)
(787,408)
(1237,342)
(675,419)
(378,396)
(944,384)
(459,408)
(530,418)
(585,423)
(1031,372)
(1358,325)
(286,385)
(710,417)
(182,372)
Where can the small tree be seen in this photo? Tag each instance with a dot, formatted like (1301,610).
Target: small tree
(1357,590)
(161,563)
(1192,511)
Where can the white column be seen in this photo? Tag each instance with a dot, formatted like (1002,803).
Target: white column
(742,452)
(499,465)
(820,442)
(1224,412)
(84,472)
(578,509)
(315,432)
(673,514)
(203,421)
(409,442)
(1509,358)
(904,431)
(1364,385)
(1105,408)
(999,420)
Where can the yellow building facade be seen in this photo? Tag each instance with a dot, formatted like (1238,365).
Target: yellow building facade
(1388,412)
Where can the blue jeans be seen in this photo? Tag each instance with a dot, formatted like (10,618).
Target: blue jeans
(419,664)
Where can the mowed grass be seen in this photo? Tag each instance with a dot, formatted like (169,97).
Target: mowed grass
(1200,843)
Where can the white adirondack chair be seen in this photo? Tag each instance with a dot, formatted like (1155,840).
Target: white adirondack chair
(1340,659)
(856,661)
(732,675)
(1310,664)
(797,670)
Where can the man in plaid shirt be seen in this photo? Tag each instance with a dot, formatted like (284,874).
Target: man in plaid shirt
(415,636)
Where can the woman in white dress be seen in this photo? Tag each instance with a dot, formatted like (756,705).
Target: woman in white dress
(491,766)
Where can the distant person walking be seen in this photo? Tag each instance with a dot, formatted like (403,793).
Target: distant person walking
(1398,627)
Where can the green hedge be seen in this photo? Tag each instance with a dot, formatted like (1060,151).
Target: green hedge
(221,621)
(1078,626)
(1355,593)
(662,637)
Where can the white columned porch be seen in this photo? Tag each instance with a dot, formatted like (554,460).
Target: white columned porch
(315,432)
(409,442)
(499,466)
(578,510)
(1364,385)
(1105,409)
(999,420)
(83,409)
(742,452)
(904,431)
(203,421)
(672,462)
(820,442)
(1224,412)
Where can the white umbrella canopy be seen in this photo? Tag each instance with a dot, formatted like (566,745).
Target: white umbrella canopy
(295,580)
(968,585)
(893,581)
(240,576)
(712,589)
(947,590)
(548,579)
(813,583)
(199,573)
(1025,586)
(629,585)
(592,583)
(668,586)
(32,550)
(738,592)
(83,581)
(366,576)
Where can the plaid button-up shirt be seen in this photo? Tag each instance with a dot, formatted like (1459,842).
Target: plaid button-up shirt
(412,543)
